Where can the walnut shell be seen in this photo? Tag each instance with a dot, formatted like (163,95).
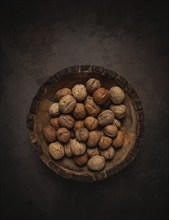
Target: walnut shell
(96,163)
(82,134)
(92,108)
(92,151)
(68,151)
(66,121)
(119,140)
(49,134)
(78,124)
(101,96)
(79,111)
(105,142)
(55,123)
(77,148)
(67,104)
(61,93)
(92,84)
(81,160)
(105,118)
(118,110)
(110,130)
(90,123)
(93,139)
(56,150)
(63,135)
(117,95)
(54,109)
(79,92)
(108,154)
(117,123)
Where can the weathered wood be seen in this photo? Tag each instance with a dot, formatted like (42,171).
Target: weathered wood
(38,117)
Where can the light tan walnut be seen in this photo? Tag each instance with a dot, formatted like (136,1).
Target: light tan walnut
(79,92)
(118,110)
(110,130)
(81,160)
(105,118)
(68,151)
(105,142)
(96,163)
(79,111)
(82,134)
(54,109)
(77,148)
(61,93)
(92,108)
(119,140)
(117,95)
(49,134)
(93,139)
(66,121)
(92,84)
(90,123)
(63,135)
(101,96)
(108,154)
(56,150)
(67,104)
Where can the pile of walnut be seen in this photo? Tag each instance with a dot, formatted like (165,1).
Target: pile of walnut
(85,124)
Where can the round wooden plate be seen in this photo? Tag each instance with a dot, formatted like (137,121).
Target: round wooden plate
(133,123)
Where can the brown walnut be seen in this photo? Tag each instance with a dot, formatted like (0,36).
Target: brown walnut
(63,135)
(101,96)
(67,104)
(90,123)
(66,121)
(49,134)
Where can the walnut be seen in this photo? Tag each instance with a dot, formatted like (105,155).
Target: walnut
(67,148)
(108,154)
(79,111)
(77,148)
(78,124)
(67,104)
(54,109)
(119,140)
(117,123)
(105,118)
(49,134)
(105,142)
(93,139)
(92,108)
(82,134)
(117,95)
(96,163)
(61,93)
(81,160)
(63,135)
(92,84)
(118,110)
(55,123)
(66,121)
(79,92)
(110,130)
(90,123)
(56,150)
(101,96)
(92,151)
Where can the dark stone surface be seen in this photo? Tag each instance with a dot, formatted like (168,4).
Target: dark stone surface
(39,39)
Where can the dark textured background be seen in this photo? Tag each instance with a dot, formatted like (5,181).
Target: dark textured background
(37,40)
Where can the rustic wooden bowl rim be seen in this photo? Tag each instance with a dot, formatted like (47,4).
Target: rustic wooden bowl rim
(120,81)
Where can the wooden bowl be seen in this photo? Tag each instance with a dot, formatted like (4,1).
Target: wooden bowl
(133,124)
